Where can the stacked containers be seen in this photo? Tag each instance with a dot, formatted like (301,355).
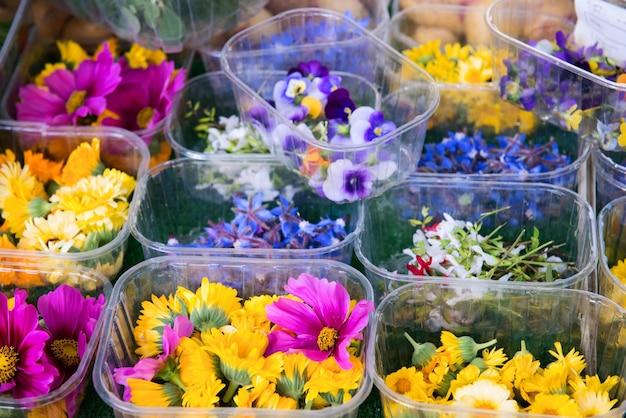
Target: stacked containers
(611,222)
(13,43)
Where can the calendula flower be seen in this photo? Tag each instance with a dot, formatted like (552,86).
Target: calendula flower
(494,357)
(84,161)
(425,52)
(44,169)
(333,382)
(24,367)
(297,369)
(261,393)
(572,118)
(59,232)
(198,375)
(573,361)
(17,211)
(619,270)
(320,326)
(485,394)
(253,316)
(139,57)
(72,53)
(621,139)
(592,403)
(211,305)
(464,348)
(155,314)
(410,383)
(146,393)
(7,156)
(552,380)
(18,181)
(594,383)
(558,405)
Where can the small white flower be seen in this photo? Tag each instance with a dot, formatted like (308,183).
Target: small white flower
(303,224)
(340,222)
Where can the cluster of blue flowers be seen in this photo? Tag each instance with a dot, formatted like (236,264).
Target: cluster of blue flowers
(460,153)
(257,226)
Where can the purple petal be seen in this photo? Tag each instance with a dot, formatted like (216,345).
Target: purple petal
(294,316)
(61,83)
(357,320)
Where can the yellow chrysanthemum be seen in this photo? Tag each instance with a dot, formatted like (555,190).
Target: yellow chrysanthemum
(573,361)
(518,370)
(17,211)
(18,181)
(211,306)
(438,373)
(297,369)
(485,394)
(82,162)
(558,405)
(456,52)
(253,315)
(99,202)
(443,69)
(240,355)
(262,394)
(592,403)
(494,357)
(424,53)
(59,232)
(410,383)
(127,182)
(475,70)
(155,313)
(72,53)
(44,169)
(333,383)
(551,380)
(146,393)
(619,270)
(7,156)
(450,344)
(140,57)
(464,377)
(594,383)
(49,68)
(197,373)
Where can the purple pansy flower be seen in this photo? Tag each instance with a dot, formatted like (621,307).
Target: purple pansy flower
(288,95)
(290,140)
(347,182)
(311,69)
(367,124)
(339,105)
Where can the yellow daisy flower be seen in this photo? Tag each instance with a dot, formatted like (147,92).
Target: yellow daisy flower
(7,156)
(456,52)
(559,405)
(146,393)
(485,394)
(127,182)
(261,393)
(17,211)
(334,384)
(466,376)
(592,403)
(253,316)
(18,181)
(155,313)
(410,383)
(494,357)
(619,270)
(552,380)
(198,375)
(40,79)
(72,53)
(594,383)
(475,70)
(59,232)
(140,57)
(44,169)
(82,162)
(519,369)
(211,306)
(573,361)
(424,53)
(572,118)
(297,369)
(462,349)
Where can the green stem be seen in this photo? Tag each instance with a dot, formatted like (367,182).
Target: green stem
(230,392)
(308,404)
(411,340)
(485,345)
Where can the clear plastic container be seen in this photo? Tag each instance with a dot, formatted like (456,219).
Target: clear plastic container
(254,59)
(174,24)
(473,108)
(559,214)
(610,176)
(373,15)
(590,323)
(612,231)
(65,400)
(556,90)
(178,198)
(250,277)
(14,42)
(119,149)
(207,91)
(40,51)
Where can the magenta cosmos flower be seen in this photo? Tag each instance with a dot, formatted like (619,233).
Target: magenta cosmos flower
(24,367)
(320,326)
(70,319)
(72,97)
(145,96)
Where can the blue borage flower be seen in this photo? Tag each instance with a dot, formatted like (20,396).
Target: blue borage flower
(459,153)
(257,226)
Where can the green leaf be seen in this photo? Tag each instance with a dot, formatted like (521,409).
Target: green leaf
(169,25)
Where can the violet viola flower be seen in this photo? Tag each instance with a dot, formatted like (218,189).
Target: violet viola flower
(320,326)
(310,69)
(347,182)
(147,368)
(339,105)
(75,97)
(367,124)
(288,95)
(70,319)
(24,367)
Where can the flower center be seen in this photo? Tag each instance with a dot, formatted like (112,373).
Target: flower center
(295,88)
(378,131)
(66,351)
(403,386)
(326,338)
(484,404)
(144,117)
(75,101)
(8,363)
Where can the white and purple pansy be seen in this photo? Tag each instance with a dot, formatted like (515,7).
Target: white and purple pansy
(346,181)
(368,124)
(288,95)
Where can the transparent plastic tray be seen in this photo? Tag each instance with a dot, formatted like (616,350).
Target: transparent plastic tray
(589,323)
(559,214)
(612,236)
(14,42)
(66,399)
(250,277)
(178,198)
(254,59)
(119,149)
(610,176)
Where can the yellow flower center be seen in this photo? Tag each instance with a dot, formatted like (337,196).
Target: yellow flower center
(378,131)
(66,351)
(403,386)
(8,363)
(144,117)
(75,101)
(485,404)
(326,339)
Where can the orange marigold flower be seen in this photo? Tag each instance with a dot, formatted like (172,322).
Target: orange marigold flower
(44,169)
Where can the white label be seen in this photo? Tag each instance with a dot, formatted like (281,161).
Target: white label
(602,23)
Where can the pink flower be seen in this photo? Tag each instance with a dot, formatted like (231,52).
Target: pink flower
(321,325)
(75,97)
(147,368)
(24,367)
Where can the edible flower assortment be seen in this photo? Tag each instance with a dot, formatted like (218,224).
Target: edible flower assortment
(209,348)
(62,206)
(463,373)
